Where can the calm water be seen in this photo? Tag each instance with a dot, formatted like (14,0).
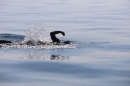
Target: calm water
(100,55)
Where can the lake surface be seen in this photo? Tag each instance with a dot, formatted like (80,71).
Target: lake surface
(98,56)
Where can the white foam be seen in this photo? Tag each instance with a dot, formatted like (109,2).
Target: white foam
(45,46)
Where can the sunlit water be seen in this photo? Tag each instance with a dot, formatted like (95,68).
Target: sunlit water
(99,54)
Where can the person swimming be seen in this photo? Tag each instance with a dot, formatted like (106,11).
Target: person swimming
(52,35)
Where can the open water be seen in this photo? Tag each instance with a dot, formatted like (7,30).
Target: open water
(99,54)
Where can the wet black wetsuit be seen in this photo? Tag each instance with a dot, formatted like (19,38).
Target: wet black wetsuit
(4,41)
(54,38)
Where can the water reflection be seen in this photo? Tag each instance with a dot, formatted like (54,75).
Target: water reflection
(58,57)
(41,56)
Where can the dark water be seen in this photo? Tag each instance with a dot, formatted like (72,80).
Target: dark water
(99,56)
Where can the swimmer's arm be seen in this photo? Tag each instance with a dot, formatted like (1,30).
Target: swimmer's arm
(57,32)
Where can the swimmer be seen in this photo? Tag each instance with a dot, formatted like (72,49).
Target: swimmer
(52,35)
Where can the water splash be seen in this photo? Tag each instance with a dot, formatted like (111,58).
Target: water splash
(38,38)
(37,34)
